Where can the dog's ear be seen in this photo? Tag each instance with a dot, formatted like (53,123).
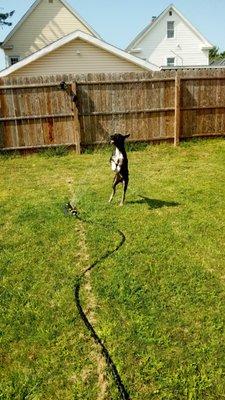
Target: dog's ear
(126,136)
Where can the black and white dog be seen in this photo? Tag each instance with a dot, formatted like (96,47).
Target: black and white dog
(119,164)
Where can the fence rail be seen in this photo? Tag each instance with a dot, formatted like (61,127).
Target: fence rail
(35,112)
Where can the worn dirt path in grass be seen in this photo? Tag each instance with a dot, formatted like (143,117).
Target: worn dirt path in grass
(90,299)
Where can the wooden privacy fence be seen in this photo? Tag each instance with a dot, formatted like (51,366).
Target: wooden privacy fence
(36,113)
(163,105)
(150,106)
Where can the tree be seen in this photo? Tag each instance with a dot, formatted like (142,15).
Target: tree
(4,17)
(214,54)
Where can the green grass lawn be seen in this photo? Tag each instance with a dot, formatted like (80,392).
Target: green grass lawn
(158,303)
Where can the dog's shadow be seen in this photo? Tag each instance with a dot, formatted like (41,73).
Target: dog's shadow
(154,203)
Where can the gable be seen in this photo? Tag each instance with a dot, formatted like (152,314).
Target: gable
(157,37)
(53,63)
(44,23)
(78,57)
(149,30)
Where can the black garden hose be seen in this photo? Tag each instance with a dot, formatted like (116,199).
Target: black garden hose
(121,388)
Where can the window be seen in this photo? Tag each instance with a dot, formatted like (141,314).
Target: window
(170,61)
(50,1)
(13,60)
(170,29)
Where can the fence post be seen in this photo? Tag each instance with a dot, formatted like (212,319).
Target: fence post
(76,118)
(177,112)
(1,123)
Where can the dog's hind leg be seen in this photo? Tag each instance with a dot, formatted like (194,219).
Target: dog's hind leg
(116,180)
(114,190)
(125,184)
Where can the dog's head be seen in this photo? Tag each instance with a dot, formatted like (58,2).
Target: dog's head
(118,139)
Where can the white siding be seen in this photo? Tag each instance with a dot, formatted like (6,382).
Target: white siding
(47,23)
(77,57)
(185,46)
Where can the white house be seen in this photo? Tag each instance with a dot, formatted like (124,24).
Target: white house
(171,40)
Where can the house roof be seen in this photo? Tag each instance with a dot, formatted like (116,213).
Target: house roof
(32,8)
(152,25)
(87,38)
(219,62)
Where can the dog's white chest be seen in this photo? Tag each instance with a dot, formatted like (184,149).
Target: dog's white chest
(116,160)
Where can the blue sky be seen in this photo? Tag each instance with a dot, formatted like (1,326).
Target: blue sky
(119,21)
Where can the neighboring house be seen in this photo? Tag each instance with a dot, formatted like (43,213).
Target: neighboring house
(171,40)
(77,53)
(45,22)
